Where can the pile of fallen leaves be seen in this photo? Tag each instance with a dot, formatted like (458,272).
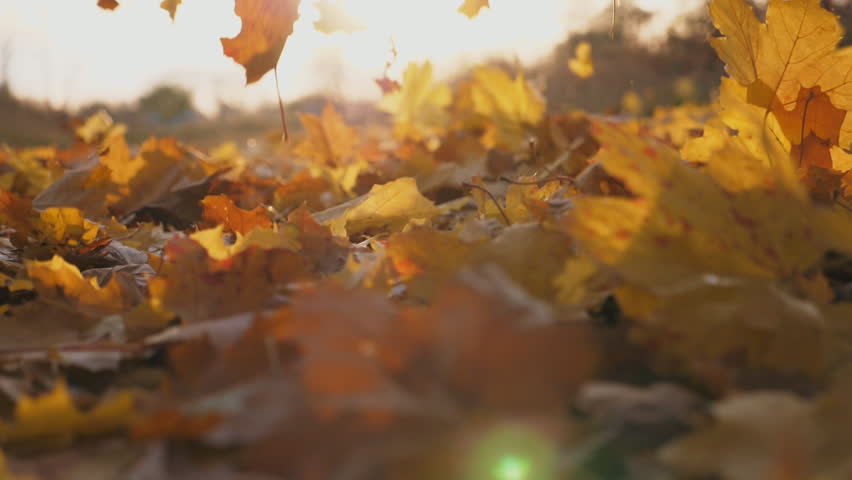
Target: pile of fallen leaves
(479,289)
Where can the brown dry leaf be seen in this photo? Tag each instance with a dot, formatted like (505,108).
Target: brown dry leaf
(108,4)
(302,188)
(770,435)
(198,286)
(330,141)
(117,184)
(52,419)
(471,8)
(219,209)
(266,24)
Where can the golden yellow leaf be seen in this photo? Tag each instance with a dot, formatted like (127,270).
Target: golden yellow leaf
(471,8)
(330,141)
(683,225)
(582,64)
(772,57)
(509,106)
(738,48)
(52,419)
(419,108)
(66,225)
(389,207)
(60,282)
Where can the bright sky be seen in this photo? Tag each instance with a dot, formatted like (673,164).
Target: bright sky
(71,52)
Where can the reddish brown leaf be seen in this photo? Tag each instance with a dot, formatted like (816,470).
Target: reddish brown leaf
(266,26)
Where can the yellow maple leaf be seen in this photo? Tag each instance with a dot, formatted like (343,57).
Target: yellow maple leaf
(582,64)
(471,8)
(66,225)
(60,282)
(770,58)
(683,225)
(330,141)
(419,107)
(510,106)
(390,206)
(53,420)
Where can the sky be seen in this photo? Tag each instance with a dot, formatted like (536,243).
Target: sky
(70,52)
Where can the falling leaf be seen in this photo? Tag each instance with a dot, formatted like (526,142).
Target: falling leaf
(266,25)
(171,7)
(582,64)
(334,18)
(108,4)
(471,8)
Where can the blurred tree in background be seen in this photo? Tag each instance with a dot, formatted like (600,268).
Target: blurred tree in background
(167,103)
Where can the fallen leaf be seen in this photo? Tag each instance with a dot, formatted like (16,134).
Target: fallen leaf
(219,209)
(52,419)
(390,206)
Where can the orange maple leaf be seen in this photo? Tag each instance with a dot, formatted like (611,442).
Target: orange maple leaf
(221,209)
(266,26)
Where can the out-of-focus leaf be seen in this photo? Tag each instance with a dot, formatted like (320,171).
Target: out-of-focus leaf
(330,141)
(471,8)
(221,209)
(389,206)
(420,106)
(509,106)
(52,419)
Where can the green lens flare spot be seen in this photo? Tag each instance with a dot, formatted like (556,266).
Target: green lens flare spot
(511,467)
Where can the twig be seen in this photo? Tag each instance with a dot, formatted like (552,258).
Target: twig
(281,107)
(493,199)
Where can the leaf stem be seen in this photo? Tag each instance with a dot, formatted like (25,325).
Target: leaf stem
(493,199)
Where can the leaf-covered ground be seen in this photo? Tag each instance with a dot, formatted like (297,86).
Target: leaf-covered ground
(480,288)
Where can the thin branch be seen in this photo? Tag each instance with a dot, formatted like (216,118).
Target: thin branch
(493,199)
(281,107)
